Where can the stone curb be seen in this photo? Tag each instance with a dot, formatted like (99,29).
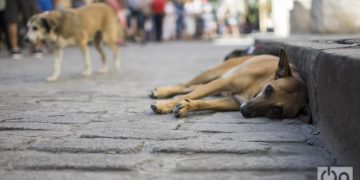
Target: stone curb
(330,66)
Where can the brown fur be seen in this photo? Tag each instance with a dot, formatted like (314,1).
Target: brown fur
(243,82)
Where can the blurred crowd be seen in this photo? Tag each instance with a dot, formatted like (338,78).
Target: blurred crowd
(142,20)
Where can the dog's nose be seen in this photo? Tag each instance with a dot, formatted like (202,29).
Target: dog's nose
(245,111)
(27,40)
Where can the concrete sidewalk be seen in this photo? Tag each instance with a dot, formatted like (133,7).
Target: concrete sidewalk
(103,128)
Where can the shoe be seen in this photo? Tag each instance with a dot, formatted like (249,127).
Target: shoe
(38,53)
(16,54)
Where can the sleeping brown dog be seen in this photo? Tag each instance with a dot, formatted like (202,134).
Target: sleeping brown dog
(258,86)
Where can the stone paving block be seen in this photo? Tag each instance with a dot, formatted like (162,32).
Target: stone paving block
(88,145)
(66,161)
(34,134)
(253,163)
(33,126)
(65,175)
(119,125)
(14,143)
(208,146)
(230,128)
(158,134)
(271,137)
(236,175)
(52,118)
(229,118)
(299,149)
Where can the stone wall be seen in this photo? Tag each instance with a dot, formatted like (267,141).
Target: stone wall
(335,16)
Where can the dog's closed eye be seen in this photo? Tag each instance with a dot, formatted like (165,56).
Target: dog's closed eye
(35,28)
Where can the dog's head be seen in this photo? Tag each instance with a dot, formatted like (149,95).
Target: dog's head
(284,96)
(42,26)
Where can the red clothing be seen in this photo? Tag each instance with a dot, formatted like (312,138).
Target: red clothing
(158,6)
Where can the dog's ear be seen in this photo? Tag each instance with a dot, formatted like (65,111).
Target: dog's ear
(283,69)
(49,23)
(305,114)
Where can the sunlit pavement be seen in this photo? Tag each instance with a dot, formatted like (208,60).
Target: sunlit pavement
(102,127)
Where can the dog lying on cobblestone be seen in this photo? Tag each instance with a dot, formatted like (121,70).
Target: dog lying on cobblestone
(77,27)
(262,85)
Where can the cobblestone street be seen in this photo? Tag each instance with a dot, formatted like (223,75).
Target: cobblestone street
(102,127)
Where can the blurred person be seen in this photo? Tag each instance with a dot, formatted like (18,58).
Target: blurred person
(169,26)
(179,7)
(158,12)
(190,23)
(232,13)
(118,7)
(137,18)
(209,21)
(12,12)
(199,22)
(3,31)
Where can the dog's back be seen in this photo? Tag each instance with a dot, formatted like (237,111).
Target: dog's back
(98,17)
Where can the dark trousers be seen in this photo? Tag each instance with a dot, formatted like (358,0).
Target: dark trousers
(158,26)
(4,31)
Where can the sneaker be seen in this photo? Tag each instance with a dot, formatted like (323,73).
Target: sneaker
(38,53)
(16,54)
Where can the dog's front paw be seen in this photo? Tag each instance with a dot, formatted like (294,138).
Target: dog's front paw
(52,78)
(182,108)
(162,107)
(86,72)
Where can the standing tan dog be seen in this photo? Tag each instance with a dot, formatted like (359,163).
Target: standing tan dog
(77,27)
(261,85)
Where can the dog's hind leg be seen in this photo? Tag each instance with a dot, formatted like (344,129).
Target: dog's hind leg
(110,40)
(221,104)
(87,61)
(203,78)
(97,43)
(165,92)
(212,88)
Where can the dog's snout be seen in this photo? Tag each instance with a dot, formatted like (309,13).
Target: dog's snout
(27,39)
(245,110)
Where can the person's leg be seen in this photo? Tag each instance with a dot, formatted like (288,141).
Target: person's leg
(11,19)
(13,35)
(28,8)
(155,27)
(161,20)
(158,26)
(141,27)
(179,27)
(3,31)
